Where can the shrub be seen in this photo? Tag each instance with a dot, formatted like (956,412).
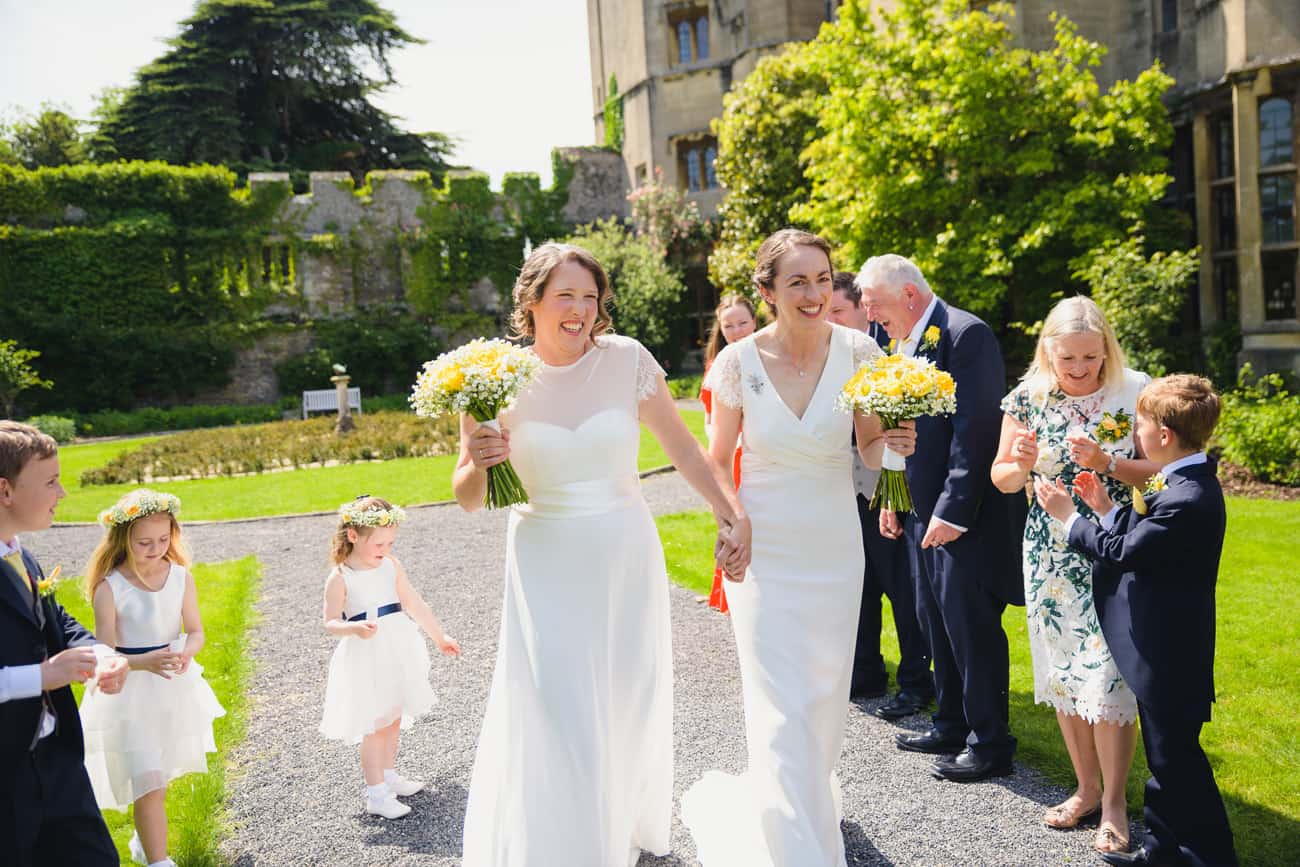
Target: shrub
(152,419)
(1260,428)
(280,445)
(685,386)
(311,370)
(62,429)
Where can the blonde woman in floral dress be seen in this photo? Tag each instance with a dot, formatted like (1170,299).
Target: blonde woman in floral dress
(1074,411)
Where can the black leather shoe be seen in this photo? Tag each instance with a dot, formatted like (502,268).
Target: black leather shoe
(968,767)
(929,742)
(901,705)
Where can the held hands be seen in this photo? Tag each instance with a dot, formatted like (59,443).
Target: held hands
(938,534)
(1093,493)
(76,664)
(488,447)
(901,440)
(733,549)
(1054,498)
(1024,450)
(448,645)
(186,659)
(364,629)
(1085,452)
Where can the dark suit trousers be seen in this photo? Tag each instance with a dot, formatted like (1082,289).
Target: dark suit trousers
(962,622)
(888,571)
(49,816)
(1183,807)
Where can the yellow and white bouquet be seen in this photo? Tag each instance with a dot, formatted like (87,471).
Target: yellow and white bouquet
(482,378)
(897,388)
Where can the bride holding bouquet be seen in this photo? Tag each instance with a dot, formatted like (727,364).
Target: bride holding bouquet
(575,759)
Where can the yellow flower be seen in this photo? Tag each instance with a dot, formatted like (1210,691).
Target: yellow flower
(946,383)
(132,510)
(893,346)
(451,379)
(1139,502)
(931,338)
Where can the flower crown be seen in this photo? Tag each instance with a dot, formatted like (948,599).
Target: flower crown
(138,504)
(371,516)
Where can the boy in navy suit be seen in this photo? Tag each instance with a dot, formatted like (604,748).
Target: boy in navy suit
(1155,565)
(47,810)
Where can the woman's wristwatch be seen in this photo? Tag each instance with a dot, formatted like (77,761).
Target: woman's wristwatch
(1111,465)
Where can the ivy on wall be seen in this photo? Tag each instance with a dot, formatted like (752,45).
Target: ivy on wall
(139,281)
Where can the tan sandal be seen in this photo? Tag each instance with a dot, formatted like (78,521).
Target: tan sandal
(1062,818)
(1109,840)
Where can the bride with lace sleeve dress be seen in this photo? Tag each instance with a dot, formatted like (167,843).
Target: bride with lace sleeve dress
(795,614)
(575,759)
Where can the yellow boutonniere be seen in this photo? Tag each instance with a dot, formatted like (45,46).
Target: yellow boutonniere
(893,346)
(930,339)
(45,586)
(1156,484)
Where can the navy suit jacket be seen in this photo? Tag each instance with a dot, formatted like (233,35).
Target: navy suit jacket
(1153,585)
(28,637)
(949,474)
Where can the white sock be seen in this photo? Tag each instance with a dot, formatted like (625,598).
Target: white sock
(377,793)
(390,776)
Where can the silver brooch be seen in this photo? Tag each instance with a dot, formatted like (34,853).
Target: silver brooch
(756,383)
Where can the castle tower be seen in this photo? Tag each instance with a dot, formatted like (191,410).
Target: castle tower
(673,61)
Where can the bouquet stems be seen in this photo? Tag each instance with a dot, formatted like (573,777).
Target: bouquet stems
(504,487)
(892,492)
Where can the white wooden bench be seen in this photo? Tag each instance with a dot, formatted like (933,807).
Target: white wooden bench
(327,400)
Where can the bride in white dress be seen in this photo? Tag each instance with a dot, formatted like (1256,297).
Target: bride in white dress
(575,760)
(795,614)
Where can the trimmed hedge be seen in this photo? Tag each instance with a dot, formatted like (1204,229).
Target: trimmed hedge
(280,445)
(64,430)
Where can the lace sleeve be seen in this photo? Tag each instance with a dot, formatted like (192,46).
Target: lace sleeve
(864,349)
(648,374)
(724,377)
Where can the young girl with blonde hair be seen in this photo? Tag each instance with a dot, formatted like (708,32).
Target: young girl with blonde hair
(159,727)
(379,673)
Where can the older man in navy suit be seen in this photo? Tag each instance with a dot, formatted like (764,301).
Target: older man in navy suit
(964,536)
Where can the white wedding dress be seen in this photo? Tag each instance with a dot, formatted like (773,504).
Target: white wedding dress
(795,616)
(575,761)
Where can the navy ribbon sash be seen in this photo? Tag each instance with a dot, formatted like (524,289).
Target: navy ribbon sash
(136,651)
(383,611)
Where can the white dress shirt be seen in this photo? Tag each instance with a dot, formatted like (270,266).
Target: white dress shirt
(1108,520)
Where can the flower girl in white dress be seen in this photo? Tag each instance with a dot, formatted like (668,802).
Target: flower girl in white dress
(379,673)
(159,726)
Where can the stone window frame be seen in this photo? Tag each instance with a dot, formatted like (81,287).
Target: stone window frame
(278,268)
(692,16)
(1277,252)
(695,172)
(1168,22)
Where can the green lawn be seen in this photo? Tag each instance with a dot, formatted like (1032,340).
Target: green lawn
(407,480)
(1254,738)
(196,804)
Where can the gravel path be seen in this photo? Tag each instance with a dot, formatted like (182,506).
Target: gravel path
(296,798)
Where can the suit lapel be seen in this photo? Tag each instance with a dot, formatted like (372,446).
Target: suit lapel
(939,319)
(14,590)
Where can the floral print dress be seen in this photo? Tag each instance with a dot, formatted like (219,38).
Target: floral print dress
(1073,668)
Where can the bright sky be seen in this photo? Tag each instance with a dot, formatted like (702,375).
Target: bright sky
(510,78)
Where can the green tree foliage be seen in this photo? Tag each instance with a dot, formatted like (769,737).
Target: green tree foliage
(17,374)
(927,131)
(51,138)
(272,84)
(645,288)
(614,116)
(1142,297)
(770,118)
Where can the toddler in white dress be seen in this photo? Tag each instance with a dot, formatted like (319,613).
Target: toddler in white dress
(159,727)
(379,673)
